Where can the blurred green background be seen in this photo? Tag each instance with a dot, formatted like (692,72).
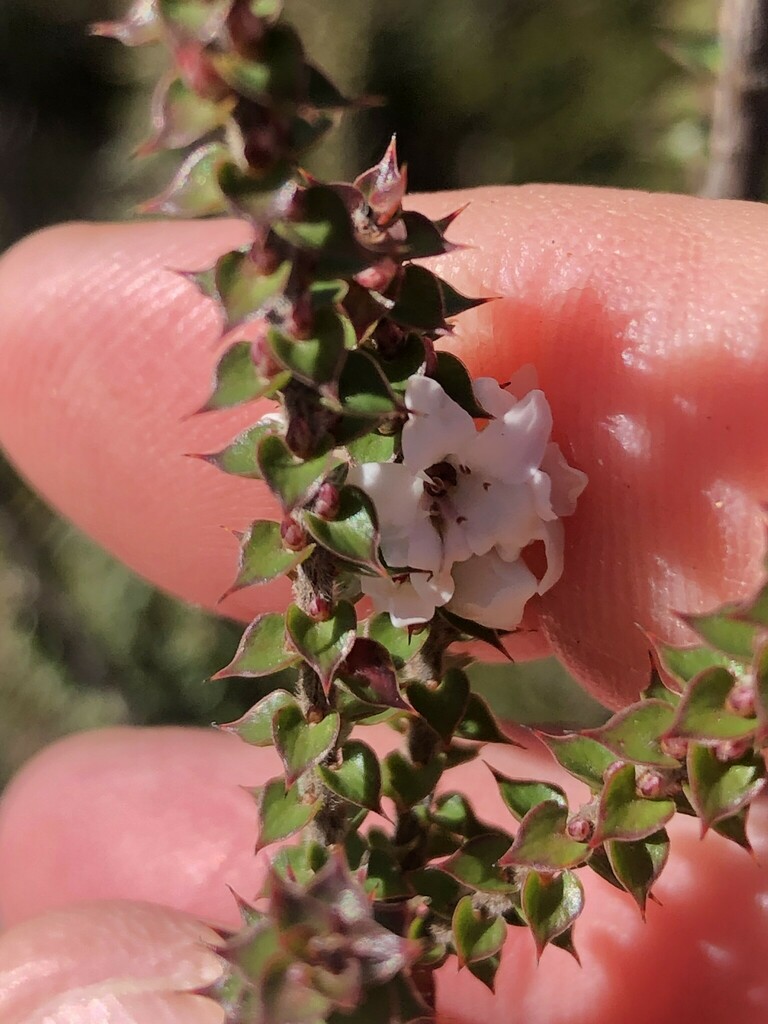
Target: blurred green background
(608,92)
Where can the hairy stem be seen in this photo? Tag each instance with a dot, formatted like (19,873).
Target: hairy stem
(739,139)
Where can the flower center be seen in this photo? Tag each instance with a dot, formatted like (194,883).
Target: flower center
(442,476)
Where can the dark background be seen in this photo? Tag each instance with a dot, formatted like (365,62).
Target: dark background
(607,92)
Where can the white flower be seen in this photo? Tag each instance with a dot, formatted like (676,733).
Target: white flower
(458,511)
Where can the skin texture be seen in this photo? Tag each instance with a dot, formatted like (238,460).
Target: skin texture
(645,317)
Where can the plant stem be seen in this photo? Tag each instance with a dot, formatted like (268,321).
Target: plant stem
(739,138)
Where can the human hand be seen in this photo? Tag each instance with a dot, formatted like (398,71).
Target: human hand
(645,318)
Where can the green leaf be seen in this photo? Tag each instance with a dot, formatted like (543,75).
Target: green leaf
(406,783)
(322,93)
(683,663)
(522,795)
(634,733)
(363,390)
(323,645)
(735,829)
(454,378)
(657,689)
(353,533)
(384,877)
(637,865)
(263,557)
(551,905)
(725,633)
(582,757)
(454,303)
(317,360)
(194,190)
(287,476)
(486,970)
(358,778)
(476,863)
(300,863)
(193,18)
(453,812)
(239,457)
(474,630)
(718,790)
(302,744)
(236,379)
(243,288)
(703,714)
(373,447)
(255,727)
(255,195)
(623,814)
(325,229)
(282,812)
(419,303)
(277,75)
(400,368)
(542,843)
(442,707)
(423,237)
(402,644)
(181,117)
(261,651)
(478,724)
(369,673)
(476,936)
(438,887)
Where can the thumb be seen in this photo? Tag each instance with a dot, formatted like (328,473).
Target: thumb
(644,315)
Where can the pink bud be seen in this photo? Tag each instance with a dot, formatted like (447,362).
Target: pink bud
(741,700)
(650,784)
(379,276)
(292,533)
(320,608)
(263,360)
(675,746)
(327,501)
(198,73)
(580,828)
(732,750)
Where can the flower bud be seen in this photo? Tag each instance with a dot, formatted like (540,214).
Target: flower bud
(580,828)
(732,750)
(265,363)
(327,501)
(741,699)
(675,746)
(293,534)
(650,784)
(320,608)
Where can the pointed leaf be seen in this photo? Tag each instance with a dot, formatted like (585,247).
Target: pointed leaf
(718,790)
(261,651)
(476,936)
(323,644)
(358,778)
(302,744)
(384,877)
(454,378)
(139,26)
(243,288)
(322,93)
(735,829)
(637,865)
(255,727)
(551,905)
(287,476)
(623,814)
(353,533)
(194,190)
(263,557)
(181,117)
(725,633)
(453,811)
(440,889)
(542,843)
(474,630)
(476,863)
(384,184)
(407,783)
(703,714)
(282,812)
(324,228)
(237,380)
(257,196)
(683,663)
(402,644)
(419,303)
(364,392)
(423,238)
(486,971)
(634,733)
(478,724)
(444,706)
(239,457)
(317,360)
(582,757)
(522,795)
(454,303)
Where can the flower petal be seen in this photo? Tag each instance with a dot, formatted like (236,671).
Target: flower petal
(439,426)
(491,591)
(510,447)
(553,536)
(567,482)
(406,605)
